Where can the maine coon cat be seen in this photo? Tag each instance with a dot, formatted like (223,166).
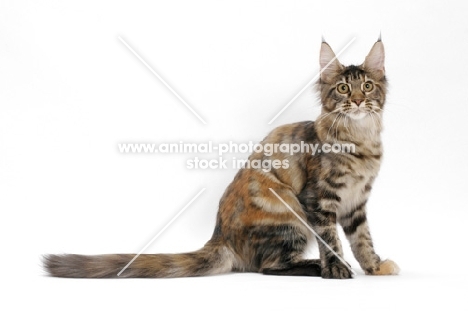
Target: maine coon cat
(254,230)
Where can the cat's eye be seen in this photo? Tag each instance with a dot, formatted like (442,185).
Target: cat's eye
(343,88)
(367,86)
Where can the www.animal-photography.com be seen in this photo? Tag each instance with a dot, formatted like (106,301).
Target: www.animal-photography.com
(282,155)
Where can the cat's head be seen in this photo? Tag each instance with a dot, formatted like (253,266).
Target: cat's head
(357,92)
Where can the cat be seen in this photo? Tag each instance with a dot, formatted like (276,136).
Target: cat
(255,231)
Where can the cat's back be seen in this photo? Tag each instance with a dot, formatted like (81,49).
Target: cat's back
(292,133)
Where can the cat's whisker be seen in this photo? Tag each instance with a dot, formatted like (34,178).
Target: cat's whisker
(387,108)
(331,127)
(373,120)
(323,116)
(337,126)
(346,124)
(380,109)
(335,138)
(379,117)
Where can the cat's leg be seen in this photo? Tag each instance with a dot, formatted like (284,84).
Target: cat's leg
(260,229)
(276,248)
(309,267)
(320,206)
(323,221)
(357,231)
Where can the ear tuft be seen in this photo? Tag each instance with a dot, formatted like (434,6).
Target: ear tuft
(375,60)
(329,64)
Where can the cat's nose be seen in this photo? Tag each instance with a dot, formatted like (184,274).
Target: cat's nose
(357,101)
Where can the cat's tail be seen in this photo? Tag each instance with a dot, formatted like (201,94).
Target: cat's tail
(211,259)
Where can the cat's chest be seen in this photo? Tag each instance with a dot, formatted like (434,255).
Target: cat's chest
(356,182)
(355,190)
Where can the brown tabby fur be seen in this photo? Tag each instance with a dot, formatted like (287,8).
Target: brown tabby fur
(254,230)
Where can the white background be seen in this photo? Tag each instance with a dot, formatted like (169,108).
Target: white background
(70,91)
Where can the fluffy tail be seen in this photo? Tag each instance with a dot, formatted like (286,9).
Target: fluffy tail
(211,259)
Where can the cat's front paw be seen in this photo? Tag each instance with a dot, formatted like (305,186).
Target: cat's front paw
(336,271)
(386,267)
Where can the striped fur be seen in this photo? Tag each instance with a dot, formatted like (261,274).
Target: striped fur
(254,231)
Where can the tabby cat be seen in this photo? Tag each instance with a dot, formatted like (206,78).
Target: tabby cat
(255,231)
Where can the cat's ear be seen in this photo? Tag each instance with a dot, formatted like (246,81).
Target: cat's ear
(329,64)
(374,62)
